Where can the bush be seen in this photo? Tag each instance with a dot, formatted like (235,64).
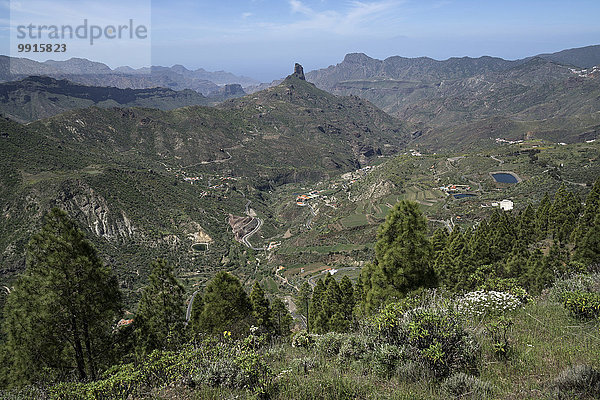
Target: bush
(508,285)
(386,359)
(583,305)
(229,364)
(498,332)
(467,386)
(303,339)
(354,348)
(436,338)
(483,303)
(432,336)
(329,344)
(577,283)
(580,380)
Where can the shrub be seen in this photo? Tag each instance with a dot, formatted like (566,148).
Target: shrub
(483,303)
(580,380)
(386,359)
(303,339)
(354,348)
(577,283)
(436,338)
(508,285)
(229,364)
(329,344)
(583,305)
(467,386)
(498,332)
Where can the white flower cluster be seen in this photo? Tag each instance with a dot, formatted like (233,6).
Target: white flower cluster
(484,302)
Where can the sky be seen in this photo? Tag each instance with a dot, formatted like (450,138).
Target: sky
(264,38)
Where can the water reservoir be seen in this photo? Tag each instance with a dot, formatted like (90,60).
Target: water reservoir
(505,177)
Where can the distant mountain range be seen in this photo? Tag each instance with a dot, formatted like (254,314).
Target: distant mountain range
(92,73)
(556,96)
(37,97)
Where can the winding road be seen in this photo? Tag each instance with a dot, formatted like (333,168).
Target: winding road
(188,313)
(310,220)
(245,240)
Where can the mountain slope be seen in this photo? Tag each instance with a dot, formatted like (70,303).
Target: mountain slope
(125,174)
(41,97)
(582,57)
(553,101)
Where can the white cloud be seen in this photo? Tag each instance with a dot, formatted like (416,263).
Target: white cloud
(357,18)
(300,8)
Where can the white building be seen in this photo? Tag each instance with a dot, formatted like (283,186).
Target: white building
(506,205)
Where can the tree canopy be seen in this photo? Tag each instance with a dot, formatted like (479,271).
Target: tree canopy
(60,315)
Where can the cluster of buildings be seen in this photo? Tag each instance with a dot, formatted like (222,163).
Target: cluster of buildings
(192,179)
(454,188)
(585,73)
(303,198)
(330,271)
(500,140)
(505,205)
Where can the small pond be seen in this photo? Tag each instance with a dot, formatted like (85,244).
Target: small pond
(463,195)
(200,247)
(504,177)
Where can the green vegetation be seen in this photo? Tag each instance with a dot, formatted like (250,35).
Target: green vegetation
(58,317)
(402,258)
(159,319)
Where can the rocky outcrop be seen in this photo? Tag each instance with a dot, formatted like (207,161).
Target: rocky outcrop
(299,72)
(241,226)
(87,206)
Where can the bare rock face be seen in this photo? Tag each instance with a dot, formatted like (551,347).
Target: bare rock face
(90,208)
(299,72)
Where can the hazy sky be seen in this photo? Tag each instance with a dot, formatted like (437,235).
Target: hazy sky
(263,38)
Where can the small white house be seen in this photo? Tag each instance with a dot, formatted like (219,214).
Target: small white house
(506,205)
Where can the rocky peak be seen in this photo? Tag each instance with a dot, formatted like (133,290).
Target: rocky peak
(299,71)
(233,89)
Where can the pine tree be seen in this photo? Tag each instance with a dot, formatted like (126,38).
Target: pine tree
(303,300)
(319,320)
(402,256)
(526,225)
(348,299)
(333,310)
(563,214)
(516,264)
(161,314)
(226,307)
(588,251)
(439,240)
(281,317)
(59,316)
(542,216)
(453,261)
(261,309)
(538,276)
(590,211)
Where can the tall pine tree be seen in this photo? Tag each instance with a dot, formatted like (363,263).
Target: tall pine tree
(402,256)
(160,317)
(60,315)
(225,307)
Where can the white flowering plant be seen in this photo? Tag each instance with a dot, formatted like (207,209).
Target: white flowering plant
(487,303)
